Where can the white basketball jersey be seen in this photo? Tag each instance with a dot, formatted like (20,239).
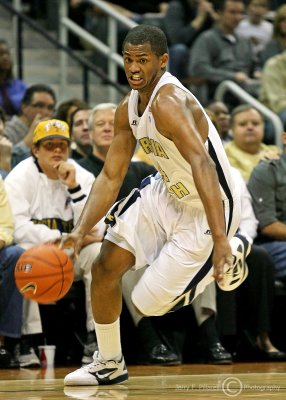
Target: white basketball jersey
(176,172)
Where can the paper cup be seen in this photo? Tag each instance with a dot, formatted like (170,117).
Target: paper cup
(47,355)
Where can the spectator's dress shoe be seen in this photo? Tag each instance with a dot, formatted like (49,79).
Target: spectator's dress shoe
(159,355)
(216,354)
(248,350)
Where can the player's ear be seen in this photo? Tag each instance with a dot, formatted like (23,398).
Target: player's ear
(164,60)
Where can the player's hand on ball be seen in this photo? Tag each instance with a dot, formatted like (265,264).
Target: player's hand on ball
(73,240)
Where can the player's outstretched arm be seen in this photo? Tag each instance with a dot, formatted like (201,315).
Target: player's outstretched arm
(186,125)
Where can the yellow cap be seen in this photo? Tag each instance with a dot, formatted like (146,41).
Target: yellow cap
(51,129)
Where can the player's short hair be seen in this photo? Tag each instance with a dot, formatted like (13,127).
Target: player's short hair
(148,34)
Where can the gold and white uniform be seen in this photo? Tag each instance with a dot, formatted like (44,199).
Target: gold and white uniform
(163,223)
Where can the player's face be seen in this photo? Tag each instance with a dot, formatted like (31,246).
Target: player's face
(49,153)
(103,128)
(143,68)
(248,128)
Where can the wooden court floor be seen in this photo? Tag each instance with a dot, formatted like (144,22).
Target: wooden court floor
(188,381)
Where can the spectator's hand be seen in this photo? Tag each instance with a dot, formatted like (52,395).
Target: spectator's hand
(203,10)
(5,153)
(75,3)
(269,155)
(257,74)
(163,7)
(28,139)
(240,77)
(66,174)
(5,147)
(205,7)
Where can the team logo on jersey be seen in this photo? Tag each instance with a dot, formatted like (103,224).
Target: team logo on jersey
(152,146)
(208,232)
(134,122)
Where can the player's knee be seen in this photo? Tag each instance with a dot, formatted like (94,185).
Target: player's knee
(100,268)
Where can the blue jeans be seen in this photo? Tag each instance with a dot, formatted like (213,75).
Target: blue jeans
(10,299)
(277,250)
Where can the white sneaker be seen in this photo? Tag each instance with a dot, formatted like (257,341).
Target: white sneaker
(238,272)
(26,356)
(99,372)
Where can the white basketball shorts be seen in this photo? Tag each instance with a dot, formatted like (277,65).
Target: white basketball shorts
(172,238)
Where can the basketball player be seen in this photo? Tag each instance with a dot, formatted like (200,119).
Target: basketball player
(181,219)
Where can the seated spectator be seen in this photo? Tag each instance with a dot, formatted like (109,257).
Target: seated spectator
(11,89)
(255,27)
(273,85)
(47,193)
(5,148)
(80,137)
(247,335)
(267,186)
(247,149)
(222,119)
(183,22)
(66,109)
(252,329)
(224,55)
(10,298)
(38,100)
(38,103)
(278,43)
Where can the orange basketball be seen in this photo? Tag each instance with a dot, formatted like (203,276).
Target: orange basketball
(44,273)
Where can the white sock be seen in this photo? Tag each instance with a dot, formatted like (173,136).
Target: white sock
(108,339)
